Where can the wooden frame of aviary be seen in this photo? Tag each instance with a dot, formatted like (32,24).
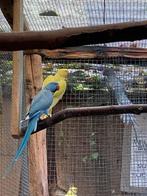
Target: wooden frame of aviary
(16,109)
(54,40)
(37,144)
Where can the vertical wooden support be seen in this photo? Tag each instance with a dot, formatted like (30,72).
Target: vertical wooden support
(37,145)
(17,71)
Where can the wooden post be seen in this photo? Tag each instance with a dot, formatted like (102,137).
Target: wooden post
(17,71)
(37,145)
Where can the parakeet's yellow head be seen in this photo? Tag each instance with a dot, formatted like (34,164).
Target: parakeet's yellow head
(62,73)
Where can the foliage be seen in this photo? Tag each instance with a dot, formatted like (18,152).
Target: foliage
(5,74)
(94,155)
(5,69)
(145,73)
(79,78)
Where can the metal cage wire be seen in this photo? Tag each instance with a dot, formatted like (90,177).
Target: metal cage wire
(98,155)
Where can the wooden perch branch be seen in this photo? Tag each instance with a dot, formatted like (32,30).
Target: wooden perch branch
(89,111)
(68,37)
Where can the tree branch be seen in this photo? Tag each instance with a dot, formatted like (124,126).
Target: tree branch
(87,111)
(68,37)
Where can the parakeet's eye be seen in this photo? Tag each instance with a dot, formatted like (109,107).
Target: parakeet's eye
(58,87)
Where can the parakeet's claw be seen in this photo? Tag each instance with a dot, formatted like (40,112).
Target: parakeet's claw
(44,116)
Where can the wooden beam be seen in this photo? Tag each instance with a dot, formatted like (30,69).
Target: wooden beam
(37,145)
(88,111)
(95,54)
(17,72)
(128,31)
(98,55)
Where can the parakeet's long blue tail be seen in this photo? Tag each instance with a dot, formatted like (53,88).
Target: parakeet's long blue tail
(32,126)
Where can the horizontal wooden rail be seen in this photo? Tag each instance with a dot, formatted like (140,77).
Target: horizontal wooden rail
(91,53)
(86,111)
(114,55)
(68,37)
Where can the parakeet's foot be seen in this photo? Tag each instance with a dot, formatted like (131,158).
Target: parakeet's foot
(44,116)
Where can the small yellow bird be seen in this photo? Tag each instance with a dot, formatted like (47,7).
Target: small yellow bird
(72,191)
(60,77)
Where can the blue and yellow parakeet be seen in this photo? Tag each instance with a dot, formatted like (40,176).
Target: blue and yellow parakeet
(40,105)
(60,77)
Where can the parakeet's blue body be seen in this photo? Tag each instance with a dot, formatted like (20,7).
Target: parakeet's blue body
(40,105)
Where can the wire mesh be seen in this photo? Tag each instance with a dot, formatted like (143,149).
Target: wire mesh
(83,13)
(99,155)
(16,181)
(7,144)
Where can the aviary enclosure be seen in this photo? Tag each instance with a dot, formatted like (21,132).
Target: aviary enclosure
(96,139)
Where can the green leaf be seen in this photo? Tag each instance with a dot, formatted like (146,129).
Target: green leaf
(84,159)
(94,156)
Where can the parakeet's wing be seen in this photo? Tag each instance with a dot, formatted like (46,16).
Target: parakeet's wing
(41,102)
